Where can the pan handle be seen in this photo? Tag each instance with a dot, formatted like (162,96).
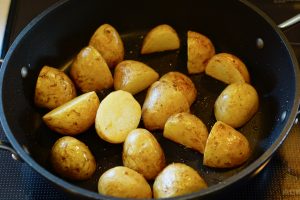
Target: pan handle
(7,147)
(290,22)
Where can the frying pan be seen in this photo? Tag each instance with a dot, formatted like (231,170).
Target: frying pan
(237,27)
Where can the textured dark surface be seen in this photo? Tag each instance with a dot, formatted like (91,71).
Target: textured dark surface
(278,180)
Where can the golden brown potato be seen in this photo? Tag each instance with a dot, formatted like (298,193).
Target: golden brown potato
(72,159)
(227,68)
(162,101)
(75,116)
(133,76)
(118,114)
(124,182)
(160,38)
(225,147)
(183,83)
(53,88)
(90,71)
(237,104)
(108,42)
(200,50)
(177,179)
(186,129)
(142,153)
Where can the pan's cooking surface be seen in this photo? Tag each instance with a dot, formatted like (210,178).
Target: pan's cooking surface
(205,101)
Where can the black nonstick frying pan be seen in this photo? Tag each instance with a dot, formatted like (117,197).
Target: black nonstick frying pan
(237,27)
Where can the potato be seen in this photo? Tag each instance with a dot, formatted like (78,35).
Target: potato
(186,129)
(124,182)
(90,71)
(200,50)
(53,88)
(75,116)
(177,179)
(237,104)
(183,83)
(108,42)
(133,76)
(142,153)
(72,159)
(160,38)
(162,101)
(227,68)
(225,147)
(118,114)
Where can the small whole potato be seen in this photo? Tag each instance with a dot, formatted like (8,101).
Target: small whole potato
(237,104)
(72,159)
(125,183)
(183,83)
(90,71)
(53,88)
(177,179)
(142,153)
(108,42)
(225,147)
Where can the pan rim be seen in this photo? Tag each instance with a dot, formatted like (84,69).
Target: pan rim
(214,188)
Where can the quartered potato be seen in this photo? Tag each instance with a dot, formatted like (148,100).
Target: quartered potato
(237,104)
(225,147)
(186,129)
(72,159)
(162,101)
(160,38)
(142,153)
(75,116)
(90,71)
(53,88)
(125,183)
(177,179)
(133,76)
(183,84)
(108,42)
(227,68)
(200,50)
(118,114)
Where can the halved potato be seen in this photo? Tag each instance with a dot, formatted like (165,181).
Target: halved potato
(186,129)
(90,71)
(75,116)
(108,42)
(200,50)
(225,147)
(183,83)
(160,38)
(177,179)
(118,114)
(133,76)
(227,68)
(162,101)
(53,88)
(142,153)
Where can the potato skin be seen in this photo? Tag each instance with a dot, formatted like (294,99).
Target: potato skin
(72,159)
(53,88)
(142,153)
(133,76)
(75,116)
(237,104)
(108,42)
(225,147)
(182,83)
(124,182)
(177,179)
(200,50)
(186,129)
(162,100)
(90,71)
